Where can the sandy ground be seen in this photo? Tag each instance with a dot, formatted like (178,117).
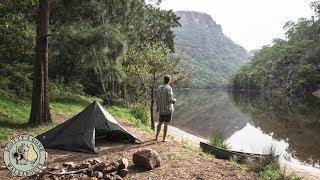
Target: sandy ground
(305,172)
(178,161)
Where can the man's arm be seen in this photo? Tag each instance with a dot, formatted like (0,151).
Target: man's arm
(170,96)
(156,96)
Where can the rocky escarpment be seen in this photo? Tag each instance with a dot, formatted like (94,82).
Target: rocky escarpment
(202,39)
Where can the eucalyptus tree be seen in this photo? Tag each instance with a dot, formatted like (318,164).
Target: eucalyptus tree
(17,41)
(40,111)
(149,65)
(145,24)
(96,25)
(17,32)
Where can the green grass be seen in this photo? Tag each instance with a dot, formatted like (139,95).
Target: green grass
(234,160)
(272,173)
(124,113)
(12,108)
(67,108)
(219,140)
(14,112)
(187,144)
(68,103)
(177,154)
(269,168)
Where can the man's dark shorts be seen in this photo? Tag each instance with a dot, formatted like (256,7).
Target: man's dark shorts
(165,118)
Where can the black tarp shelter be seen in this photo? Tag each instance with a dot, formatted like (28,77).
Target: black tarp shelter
(79,132)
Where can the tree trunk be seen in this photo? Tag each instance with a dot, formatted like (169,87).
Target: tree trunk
(124,92)
(40,111)
(152,101)
(102,81)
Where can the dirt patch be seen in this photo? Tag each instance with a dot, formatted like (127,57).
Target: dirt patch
(178,162)
(317,93)
(60,118)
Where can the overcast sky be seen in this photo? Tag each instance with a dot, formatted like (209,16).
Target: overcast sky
(249,23)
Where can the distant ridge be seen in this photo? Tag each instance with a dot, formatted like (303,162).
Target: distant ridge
(211,57)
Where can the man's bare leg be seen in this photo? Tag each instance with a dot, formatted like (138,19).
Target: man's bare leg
(165,128)
(158,130)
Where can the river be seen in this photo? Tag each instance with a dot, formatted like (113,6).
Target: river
(254,123)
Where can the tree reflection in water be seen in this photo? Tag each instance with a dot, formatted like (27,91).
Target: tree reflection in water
(295,120)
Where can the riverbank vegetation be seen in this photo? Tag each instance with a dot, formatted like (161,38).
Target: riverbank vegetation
(219,140)
(290,65)
(270,168)
(265,168)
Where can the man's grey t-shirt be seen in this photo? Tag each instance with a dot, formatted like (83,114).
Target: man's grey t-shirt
(164,96)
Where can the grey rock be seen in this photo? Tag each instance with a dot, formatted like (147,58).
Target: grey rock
(146,158)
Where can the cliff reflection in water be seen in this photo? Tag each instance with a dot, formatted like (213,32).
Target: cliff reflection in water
(293,120)
(200,112)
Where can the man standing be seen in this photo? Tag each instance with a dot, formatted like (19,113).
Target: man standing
(164,102)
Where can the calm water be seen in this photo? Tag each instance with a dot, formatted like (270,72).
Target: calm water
(253,123)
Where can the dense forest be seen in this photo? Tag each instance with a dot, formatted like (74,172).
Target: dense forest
(119,50)
(115,50)
(290,65)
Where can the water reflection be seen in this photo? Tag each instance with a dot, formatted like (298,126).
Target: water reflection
(253,122)
(294,119)
(202,111)
(254,140)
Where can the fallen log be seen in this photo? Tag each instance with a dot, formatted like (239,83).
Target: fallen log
(91,168)
(68,172)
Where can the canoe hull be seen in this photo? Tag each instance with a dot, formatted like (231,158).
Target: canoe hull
(228,154)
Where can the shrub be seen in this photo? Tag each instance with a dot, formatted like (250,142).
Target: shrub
(270,173)
(234,160)
(17,77)
(140,112)
(4,83)
(57,88)
(269,168)
(68,94)
(113,99)
(219,140)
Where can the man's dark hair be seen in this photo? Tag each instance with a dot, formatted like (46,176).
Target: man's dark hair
(167,79)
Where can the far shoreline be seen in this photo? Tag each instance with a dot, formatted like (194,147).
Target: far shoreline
(274,92)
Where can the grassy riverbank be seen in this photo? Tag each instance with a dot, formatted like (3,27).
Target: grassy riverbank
(265,169)
(176,156)
(15,111)
(14,114)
